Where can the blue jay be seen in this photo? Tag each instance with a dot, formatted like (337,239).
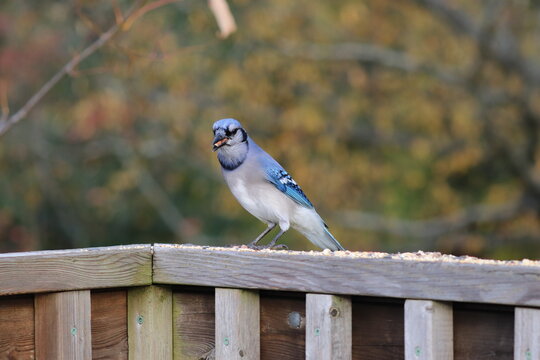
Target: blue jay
(265,189)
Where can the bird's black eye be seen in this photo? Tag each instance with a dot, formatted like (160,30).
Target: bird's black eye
(227,132)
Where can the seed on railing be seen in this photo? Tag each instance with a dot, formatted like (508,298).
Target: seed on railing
(241,353)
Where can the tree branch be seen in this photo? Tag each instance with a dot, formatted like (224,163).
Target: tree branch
(432,228)
(458,20)
(503,50)
(6,124)
(371,54)
(135,11)
(223,16)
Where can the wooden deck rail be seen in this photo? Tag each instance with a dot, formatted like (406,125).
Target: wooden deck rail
(189,302)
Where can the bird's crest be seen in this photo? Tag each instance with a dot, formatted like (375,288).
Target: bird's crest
(228,124)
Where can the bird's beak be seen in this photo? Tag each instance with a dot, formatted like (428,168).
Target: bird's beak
(219,141)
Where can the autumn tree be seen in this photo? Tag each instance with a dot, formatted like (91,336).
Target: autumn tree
(411,125)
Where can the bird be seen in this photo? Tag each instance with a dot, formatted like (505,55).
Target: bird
(265,189)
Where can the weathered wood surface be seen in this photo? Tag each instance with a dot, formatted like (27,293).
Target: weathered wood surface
(193,324)
(62,325)
(150,323)
(92,268)
(352,274)
(109,325)
(237,324)
(283,326)
(378,328)
(328,327)
(527,334)
(483,332)
(17,327)
(428,330)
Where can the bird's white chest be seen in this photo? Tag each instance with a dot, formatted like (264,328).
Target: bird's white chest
(261,199)
(244,196)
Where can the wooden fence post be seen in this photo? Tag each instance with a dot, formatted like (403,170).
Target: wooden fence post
(328,327)
(150,323)
(237,324)
(428,330)
(526,334)
(63,325)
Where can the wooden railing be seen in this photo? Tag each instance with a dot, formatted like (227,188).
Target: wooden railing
(190,302)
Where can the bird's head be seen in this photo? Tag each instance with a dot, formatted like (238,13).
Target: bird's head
(228,133)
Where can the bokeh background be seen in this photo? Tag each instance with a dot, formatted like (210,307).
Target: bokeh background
(410,124)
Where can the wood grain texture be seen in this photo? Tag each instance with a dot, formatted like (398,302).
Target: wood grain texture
(46,271)
(334,274)
(150,323)
(109,325)
(526,334)
(17,327)
(328,327)
(193,324)
(483,332)
(237,324)
(378,328)
(283,326)
(428,330)
(62,325)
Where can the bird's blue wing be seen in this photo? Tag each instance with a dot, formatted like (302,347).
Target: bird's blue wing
(285,183)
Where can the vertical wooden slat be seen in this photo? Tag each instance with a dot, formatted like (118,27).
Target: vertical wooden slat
(237,324)
(328,327)
(63,325)
(283,326)
(428,330)
(526,334)
(193,324)
(17,327)
(377,328)
(109,325)
(483,331)
(150,323)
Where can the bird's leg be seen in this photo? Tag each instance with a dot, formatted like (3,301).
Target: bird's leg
(272,244)
(263,234)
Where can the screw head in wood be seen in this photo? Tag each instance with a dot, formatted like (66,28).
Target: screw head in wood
(226,341)
(73,331)
(294,320)
(140,319)
(317,331)
(417,351)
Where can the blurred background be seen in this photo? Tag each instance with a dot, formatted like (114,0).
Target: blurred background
(410,125)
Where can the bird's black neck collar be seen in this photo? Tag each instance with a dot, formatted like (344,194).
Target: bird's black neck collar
(231,157)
